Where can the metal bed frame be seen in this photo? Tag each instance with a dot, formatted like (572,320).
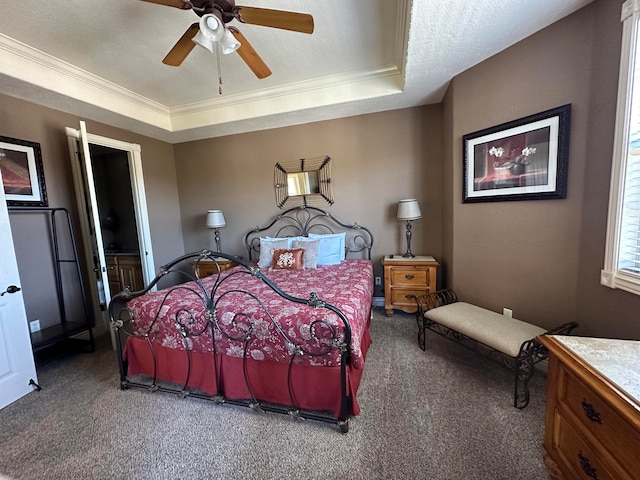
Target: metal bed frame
(300,221)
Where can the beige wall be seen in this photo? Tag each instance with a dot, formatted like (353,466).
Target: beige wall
(602,310)
(377,160)
(542,258)
(28,121)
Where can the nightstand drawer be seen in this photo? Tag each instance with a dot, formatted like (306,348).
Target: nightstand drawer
(206,268)
(410,276)
(400,296)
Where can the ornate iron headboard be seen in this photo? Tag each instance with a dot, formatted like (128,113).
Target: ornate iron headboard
(300,221)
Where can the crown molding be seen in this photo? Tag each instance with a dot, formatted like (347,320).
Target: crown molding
(63,80)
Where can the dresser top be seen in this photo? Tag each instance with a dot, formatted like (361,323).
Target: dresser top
(617,360)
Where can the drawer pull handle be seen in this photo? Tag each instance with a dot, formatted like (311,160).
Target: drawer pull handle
(591,413)
(586,466)
(409,276)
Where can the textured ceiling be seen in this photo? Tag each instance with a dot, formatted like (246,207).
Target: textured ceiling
(102,60)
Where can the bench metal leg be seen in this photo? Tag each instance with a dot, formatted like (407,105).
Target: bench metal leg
(525,368)
(421,330)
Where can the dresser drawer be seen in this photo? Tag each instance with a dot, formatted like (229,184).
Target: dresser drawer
(409,276)
(587,408)
(576,453)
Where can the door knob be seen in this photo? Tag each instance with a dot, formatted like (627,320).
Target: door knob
(10,289)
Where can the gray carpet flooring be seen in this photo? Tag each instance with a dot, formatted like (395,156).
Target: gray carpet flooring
(441,414)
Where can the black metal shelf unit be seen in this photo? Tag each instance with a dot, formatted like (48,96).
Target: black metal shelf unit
(60,336)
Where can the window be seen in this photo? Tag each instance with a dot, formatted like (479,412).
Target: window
(622,256)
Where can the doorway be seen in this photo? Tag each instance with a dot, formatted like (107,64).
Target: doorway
(117,216)
(113,215)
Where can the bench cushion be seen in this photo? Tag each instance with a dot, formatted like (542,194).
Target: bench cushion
(497,331)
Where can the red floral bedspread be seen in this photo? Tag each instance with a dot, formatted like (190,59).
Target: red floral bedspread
(347,286)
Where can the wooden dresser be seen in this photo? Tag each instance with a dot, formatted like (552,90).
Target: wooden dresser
(592,423)
(404,277)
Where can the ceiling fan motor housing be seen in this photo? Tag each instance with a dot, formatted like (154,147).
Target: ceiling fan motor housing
(223,9)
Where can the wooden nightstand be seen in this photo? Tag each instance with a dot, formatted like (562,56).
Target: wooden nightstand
(407,276)
(208,267)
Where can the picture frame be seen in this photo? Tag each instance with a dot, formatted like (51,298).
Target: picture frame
(525,159)
(22,173)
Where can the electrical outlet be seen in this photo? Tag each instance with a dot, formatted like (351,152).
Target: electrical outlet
(378,281)
(507,312)
(34,326)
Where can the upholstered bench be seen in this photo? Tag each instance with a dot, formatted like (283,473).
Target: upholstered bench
(510,341)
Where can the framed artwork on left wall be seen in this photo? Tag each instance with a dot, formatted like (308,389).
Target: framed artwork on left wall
(22,173)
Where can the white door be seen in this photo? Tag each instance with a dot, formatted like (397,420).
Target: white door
(82,168)
(17,367)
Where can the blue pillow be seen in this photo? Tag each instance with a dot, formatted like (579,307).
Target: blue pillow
(331,250)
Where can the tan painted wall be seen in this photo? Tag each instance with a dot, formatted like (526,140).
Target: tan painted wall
(28,121)
(602,310)
(542,258)
(377,160)
(523,255)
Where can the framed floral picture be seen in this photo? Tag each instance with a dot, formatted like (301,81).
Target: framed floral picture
(525,159)
(22,173)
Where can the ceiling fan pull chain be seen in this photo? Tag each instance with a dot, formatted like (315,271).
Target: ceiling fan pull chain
(219,68)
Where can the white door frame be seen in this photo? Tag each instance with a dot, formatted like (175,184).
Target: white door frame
(133,150)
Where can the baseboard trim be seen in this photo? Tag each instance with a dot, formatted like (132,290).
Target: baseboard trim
(378,301)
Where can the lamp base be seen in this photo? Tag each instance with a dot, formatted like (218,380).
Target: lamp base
(409,254)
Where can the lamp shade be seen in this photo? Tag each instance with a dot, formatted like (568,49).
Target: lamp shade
(408,209)
(215,219)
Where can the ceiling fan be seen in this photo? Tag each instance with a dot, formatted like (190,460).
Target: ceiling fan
(212,27)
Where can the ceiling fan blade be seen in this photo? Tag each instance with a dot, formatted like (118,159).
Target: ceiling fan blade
(171,3)
(250,56)
(297,22)
(182,48)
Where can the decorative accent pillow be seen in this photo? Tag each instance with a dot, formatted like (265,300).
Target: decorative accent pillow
(267,246)
(332,247)
(310,247)
(288,259)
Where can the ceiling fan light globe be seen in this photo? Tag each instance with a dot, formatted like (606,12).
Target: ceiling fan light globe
(229,43)
(211,27)
(204,41)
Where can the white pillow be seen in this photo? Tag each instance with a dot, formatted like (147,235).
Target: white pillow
(267,246)
(332,247)
(310,247)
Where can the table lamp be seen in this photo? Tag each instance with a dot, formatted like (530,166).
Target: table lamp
(215,220)
(408,209)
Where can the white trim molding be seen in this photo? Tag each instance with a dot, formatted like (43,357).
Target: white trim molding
(611,275)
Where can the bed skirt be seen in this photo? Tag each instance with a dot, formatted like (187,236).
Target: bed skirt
(315,388)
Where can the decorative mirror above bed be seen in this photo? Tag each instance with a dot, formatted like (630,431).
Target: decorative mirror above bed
(303,182)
